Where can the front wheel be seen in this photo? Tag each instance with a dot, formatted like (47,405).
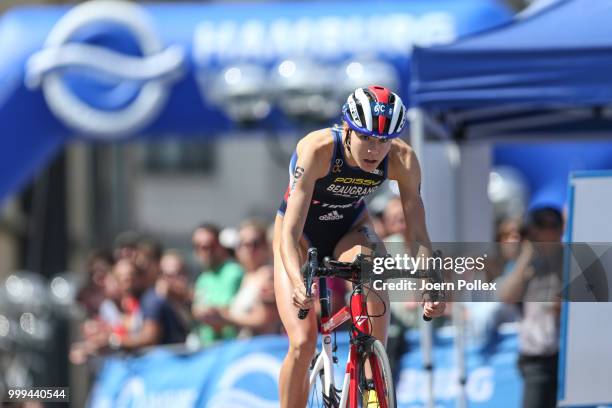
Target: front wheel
(317,397)
(376,382)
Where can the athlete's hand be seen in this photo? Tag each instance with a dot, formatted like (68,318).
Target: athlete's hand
(433,309)
(300,300)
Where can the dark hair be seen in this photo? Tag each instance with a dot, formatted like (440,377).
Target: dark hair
(347,138)
(127,239)
(152,246)
(210,227)
(545,218)
(101,254)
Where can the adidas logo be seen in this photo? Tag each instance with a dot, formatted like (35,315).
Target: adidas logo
(378,172)
(332,216)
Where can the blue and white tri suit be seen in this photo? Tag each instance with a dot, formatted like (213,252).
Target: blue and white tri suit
(338,198)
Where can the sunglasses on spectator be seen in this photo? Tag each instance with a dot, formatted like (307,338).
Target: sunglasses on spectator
(251,244)
(172,275)
(202,247)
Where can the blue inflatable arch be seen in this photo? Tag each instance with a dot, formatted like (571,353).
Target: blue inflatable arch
(109,70)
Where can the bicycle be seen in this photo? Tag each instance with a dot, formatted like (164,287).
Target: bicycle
(366,353)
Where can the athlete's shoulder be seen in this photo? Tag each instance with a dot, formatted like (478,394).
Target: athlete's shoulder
(402,151)
(402,158)
(319,143)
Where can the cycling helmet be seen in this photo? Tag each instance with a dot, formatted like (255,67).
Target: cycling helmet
(375,111)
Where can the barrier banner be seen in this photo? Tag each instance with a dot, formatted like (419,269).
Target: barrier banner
(244,373)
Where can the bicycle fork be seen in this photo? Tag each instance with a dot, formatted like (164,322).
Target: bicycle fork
(361,341)
(361,326)
(360,330)
(326,359)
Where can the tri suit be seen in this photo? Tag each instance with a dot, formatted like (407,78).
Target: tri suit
(338,198)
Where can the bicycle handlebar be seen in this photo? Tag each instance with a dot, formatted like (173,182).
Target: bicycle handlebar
(312,265)
(352,270)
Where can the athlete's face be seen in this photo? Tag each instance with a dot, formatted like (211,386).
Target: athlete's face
(368,151)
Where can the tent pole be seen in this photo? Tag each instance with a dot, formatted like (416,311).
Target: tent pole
(458,306)
(427,348)
(417,136)
(459,343)
(417,141)
(428,365)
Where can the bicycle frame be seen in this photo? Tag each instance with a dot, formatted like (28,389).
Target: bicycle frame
(361,340)
(357,311)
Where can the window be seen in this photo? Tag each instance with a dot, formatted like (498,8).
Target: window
(172,157)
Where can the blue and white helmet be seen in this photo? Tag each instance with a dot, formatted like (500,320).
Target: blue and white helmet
(375,111)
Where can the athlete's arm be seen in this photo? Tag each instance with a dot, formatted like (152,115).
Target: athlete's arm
(405,169)
(313,157)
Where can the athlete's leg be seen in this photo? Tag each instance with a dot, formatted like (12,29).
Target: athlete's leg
(293,381)
(362,239)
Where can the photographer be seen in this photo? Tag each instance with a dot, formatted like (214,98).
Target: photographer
(535,282)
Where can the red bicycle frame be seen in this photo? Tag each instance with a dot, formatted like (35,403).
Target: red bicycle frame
(360,331)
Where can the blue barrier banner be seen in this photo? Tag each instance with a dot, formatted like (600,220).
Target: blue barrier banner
(492,377)
(245,374)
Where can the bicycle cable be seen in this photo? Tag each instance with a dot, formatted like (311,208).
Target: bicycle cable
(378,315)
(360,285)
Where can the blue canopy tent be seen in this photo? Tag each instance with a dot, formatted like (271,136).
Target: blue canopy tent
(548,73)
(542,76)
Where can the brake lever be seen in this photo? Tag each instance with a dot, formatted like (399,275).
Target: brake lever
(312,265)
(435,295)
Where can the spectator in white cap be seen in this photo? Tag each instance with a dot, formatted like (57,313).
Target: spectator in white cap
(215,287)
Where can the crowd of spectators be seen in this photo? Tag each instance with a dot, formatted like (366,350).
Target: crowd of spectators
(139,295)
